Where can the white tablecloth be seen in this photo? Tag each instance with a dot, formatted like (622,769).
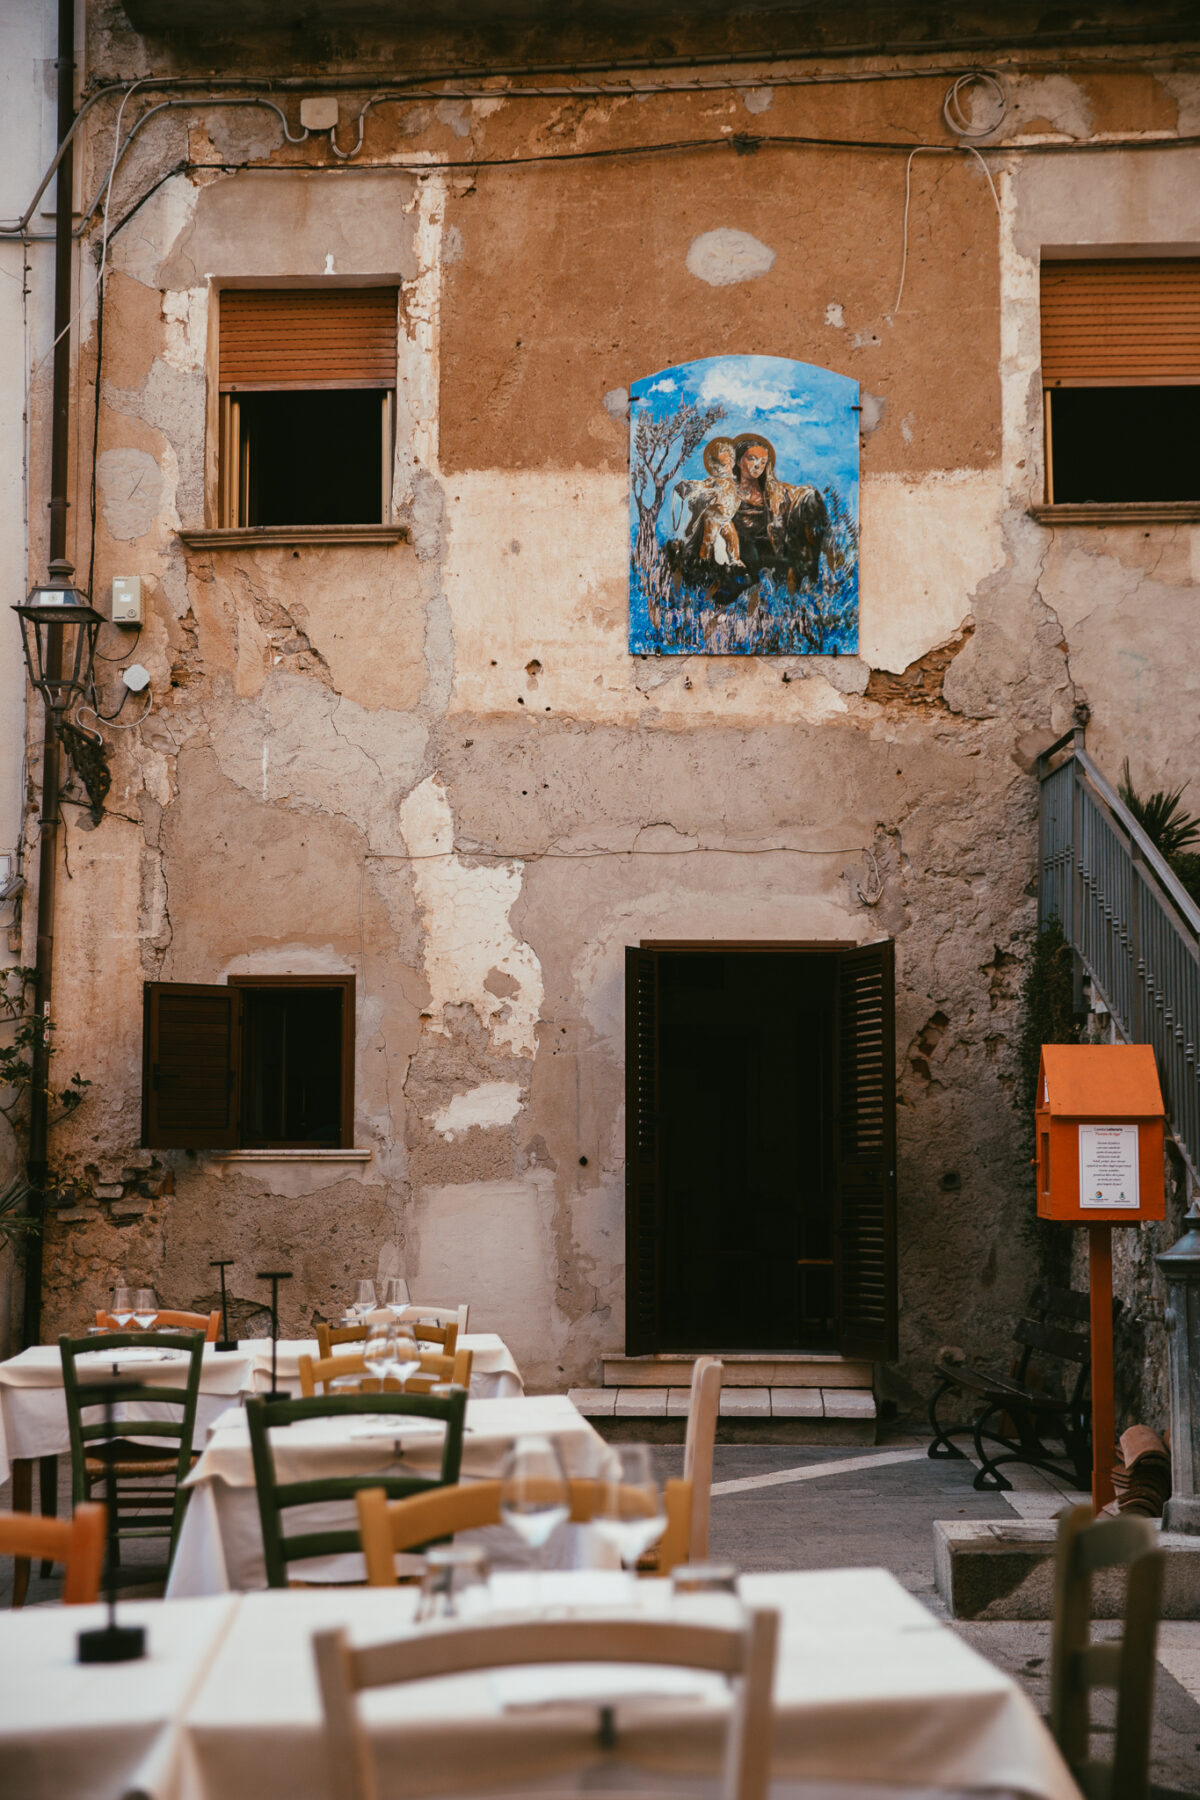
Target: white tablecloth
(33,1409)
(70,1731)
(494,1372)
(220,1544)
(869,1687)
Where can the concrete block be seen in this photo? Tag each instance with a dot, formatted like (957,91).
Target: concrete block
(1004,1569)
(796,1403)
(641,1403)
(848,1403)
(745,1403)
(593,1403)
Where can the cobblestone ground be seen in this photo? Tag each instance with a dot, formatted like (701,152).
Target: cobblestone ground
(795,1507)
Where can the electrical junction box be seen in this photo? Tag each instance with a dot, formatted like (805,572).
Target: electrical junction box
(126,600)
(1100,1120)
(319,112)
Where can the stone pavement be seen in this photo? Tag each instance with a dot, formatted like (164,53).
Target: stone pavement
(789,1506)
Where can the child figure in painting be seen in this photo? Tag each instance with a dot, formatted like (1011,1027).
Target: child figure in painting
(709,535)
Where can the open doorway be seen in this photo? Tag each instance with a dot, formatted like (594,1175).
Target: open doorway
(760,1174)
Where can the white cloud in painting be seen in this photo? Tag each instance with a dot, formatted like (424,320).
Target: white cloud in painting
(758,394)
(664,387)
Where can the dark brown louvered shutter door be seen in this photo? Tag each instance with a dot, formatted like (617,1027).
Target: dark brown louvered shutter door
(190,1066)
(272,338)
(865,1153)
(643,1233)
(1121,323)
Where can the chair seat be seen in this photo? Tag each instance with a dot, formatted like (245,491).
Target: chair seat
(123,1457)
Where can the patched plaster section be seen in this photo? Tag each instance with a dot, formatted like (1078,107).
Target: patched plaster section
(139,250)
(419,361)
(466,910)
(490,1106)
(725,256)
(131,487)
(926,546)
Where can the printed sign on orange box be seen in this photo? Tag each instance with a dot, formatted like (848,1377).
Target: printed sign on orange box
(1100,1134)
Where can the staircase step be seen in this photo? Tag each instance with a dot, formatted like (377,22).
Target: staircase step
(747,1414)
(771,1369)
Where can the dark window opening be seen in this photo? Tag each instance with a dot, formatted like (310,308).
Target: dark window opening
(291,1066)
(1114,444)
(312,458)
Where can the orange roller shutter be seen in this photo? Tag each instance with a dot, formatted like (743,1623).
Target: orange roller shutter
(307,337)
(1121,323)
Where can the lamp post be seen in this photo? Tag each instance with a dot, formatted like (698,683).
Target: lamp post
(59,627)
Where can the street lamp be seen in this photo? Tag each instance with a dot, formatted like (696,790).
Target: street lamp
(59,627)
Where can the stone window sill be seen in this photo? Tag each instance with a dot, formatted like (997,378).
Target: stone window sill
(291,1156)
(1130,512)
(287,537)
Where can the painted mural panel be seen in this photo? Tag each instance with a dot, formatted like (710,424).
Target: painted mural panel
(744,510)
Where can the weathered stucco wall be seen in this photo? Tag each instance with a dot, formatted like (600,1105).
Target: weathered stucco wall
(436,766)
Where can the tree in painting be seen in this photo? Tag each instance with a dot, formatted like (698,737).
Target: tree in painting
(662,444)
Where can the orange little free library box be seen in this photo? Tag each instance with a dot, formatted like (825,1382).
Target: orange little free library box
(1099,1135)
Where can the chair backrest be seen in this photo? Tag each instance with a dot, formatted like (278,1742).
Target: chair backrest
(439,1315)
(208,1323)
(1077,1665)
(318,1372)
(77,1542)
(743,1653)
(330,1336)
(274,1497)
(703,1407)
(387,1527)
(177,1430)
(439,1325)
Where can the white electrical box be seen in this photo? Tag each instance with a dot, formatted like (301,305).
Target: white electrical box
(319,112)
(126,600)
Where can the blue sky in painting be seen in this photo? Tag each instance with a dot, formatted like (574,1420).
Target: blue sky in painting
(805,411)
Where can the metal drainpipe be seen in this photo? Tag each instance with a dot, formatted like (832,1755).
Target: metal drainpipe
(60,441)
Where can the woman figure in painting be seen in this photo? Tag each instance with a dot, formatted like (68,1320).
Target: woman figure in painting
(753,524)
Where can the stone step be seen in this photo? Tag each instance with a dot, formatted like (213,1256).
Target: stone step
(1004,1569)
(750,1369)
(770,1414)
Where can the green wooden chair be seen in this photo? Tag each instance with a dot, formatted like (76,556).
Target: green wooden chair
(1077,1665)
(141,1483)
(275,1497)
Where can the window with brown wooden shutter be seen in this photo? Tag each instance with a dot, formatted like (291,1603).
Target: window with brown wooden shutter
(1121,380)
(307,405)
(865,1153)
(267,1062)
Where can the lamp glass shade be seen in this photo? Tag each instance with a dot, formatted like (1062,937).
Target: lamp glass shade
(60,666)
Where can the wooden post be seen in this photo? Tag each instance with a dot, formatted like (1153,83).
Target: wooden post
(1103,1403)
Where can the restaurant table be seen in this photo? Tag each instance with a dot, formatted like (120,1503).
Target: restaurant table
(869,1688)
(494,1371)
(70,1731)
(220,1543)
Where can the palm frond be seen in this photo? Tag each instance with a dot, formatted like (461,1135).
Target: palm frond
(1169,830)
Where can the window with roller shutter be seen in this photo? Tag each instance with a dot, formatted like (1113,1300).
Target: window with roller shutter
(307,405)
(1121,380)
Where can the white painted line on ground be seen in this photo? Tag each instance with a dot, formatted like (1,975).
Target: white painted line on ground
(813,1471)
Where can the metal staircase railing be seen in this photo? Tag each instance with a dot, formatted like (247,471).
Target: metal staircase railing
(1131,923)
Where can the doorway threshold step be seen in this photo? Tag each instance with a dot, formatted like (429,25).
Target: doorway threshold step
(748,1414)
(743,1369)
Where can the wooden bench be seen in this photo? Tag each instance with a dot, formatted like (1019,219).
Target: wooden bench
(1015,1412)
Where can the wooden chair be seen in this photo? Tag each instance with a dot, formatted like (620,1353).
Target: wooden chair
(444,1336)
(1077,1665)
(389,1527)
(320,1371)
(743,1653)
(703,1407)
(208,1323)
(107,1456)
(78,1543)
(439,1315)
(275,1498)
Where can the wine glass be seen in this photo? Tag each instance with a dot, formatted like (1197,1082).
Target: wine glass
(122,1307)
(631,1515)
(533,1491)
(364,1298)
(145,1308)
(395,1294)
(406,1353)
(379,1352)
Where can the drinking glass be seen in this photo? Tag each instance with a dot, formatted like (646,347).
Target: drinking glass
(379,1352)
(631,1515)
(364,1298)
(122,1307)
(395,1294)
(406,1353)
(533,1491)
(454,1583)
(145,1308)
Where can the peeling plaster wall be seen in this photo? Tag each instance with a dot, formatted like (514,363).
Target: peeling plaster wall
(435,765)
